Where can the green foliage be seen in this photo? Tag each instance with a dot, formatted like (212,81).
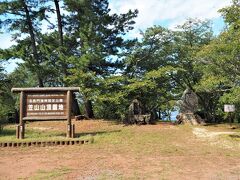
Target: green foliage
(5,96)
(231,97)
(87,48)
(231,14)
(96,35)
(219,62)
(21,77)
(163,64)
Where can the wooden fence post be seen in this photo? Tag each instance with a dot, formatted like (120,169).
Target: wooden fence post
(21,122)
(69,124)
(73,131)
(17,131)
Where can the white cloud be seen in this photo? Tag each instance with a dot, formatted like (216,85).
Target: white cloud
(174,12)
(11,65)
(153,12)
(6,41)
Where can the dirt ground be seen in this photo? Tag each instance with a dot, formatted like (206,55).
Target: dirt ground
(162,151)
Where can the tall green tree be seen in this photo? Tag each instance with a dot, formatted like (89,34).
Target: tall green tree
(163,64)
(94,36)
(220,62)
(22,18)
(148,70)
(189,39)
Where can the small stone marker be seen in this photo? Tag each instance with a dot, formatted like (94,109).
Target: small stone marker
(136,113)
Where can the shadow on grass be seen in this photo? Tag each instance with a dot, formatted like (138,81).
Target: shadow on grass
(228,125)
(115,122)
(39,134)
(7,132)
(216,124)
(95,133)
(212,124)
(234,136)
(31,134)
(152,123)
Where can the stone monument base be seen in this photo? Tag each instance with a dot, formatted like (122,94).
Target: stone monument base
(189,118)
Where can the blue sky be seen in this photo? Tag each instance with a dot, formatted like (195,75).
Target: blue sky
(167,13)
(170,13)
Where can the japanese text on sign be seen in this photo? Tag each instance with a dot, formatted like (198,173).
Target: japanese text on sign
(45,104)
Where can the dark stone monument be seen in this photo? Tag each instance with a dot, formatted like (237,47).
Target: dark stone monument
(188,106)
(136,113)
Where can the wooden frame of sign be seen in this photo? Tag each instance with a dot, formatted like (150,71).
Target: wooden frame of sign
(45,104)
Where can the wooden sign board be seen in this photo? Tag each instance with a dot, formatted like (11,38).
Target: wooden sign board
(37,104)
(229,108)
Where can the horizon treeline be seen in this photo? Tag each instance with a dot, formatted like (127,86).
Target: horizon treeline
(81,43)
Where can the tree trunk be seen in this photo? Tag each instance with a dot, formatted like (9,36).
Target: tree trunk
(88,109)
(59,18)
(75,108)
(154,115)
(159,114)
(16,116)
(60,33)
(33,42)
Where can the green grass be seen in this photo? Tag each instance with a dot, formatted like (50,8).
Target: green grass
(51,174)
(234,138)
(105,175)
(133,139)
(177,141)
(8,134)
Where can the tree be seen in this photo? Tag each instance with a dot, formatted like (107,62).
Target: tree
(189,38)
(220,63)
(80,49)
(22,18)
(163,64)
(148,70)
(96,36)
(20,77)
(4,95)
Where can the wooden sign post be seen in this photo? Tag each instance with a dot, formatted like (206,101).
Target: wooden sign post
(45,104)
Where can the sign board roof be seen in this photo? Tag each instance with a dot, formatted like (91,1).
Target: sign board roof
(41,89)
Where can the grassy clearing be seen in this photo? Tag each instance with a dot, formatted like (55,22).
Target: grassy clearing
(166,141)
(158,151)
(140,140)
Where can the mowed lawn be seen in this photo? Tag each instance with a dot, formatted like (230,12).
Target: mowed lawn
(161,151)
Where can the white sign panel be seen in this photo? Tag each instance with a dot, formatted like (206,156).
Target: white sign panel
(229,108)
